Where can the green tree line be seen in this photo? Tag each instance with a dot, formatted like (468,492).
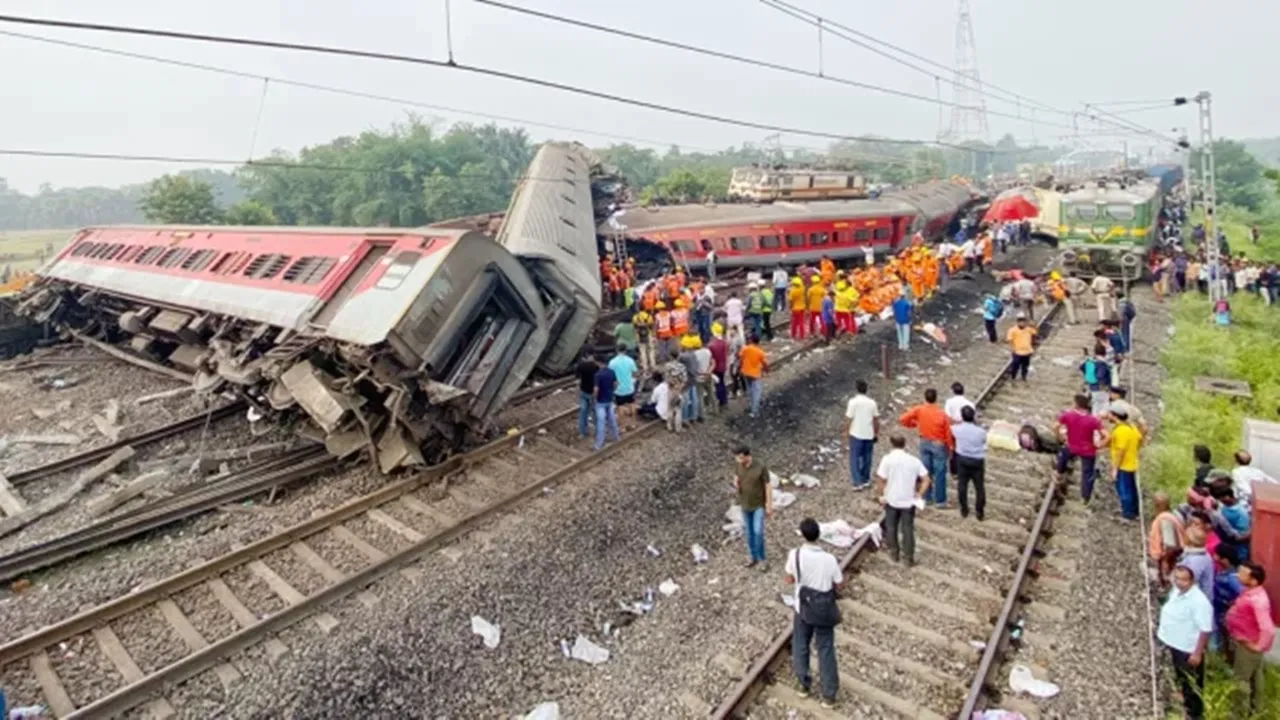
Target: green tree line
(415,173)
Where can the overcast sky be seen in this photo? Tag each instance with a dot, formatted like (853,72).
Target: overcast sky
(1061,54)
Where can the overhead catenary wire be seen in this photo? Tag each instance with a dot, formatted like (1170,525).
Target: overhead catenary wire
(476,70)
(733,57)
(416,104)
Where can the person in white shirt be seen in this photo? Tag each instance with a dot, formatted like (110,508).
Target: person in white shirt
(705,382)
(862,425)
(901,480)
(809,566)
(735,313)
(659,405)
(779,289)
(1102,287)
(711,265)
(1244,475)
(955,403)
(869,255)
(1186,622)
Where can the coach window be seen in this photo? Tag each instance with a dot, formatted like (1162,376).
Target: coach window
(883,233)
(706,245)
(742,243)
(817,238)
(838,237)
(795,240)
(398,270)
(861,235)
(769,242)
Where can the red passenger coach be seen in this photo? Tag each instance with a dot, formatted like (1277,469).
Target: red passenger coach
(787,233)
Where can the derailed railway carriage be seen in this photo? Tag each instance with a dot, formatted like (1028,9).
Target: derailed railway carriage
(404,342)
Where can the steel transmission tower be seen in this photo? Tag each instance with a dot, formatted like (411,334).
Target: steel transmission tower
(1209,190)
(969,114)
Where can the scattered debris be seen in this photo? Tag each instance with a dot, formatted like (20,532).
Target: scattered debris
(492,634)
(668,587)
(837,532)
(945,361)
(43,413)
(165,395)
(655,552)
(978,645)
(1021,680)
(700,554)
(805,481)
(19,585)
(134,488)
(782,499)
(1065,361)
(789,599)
(545,711)
(998,714)
(54,502)
(11,503)
(588,652)
(733,518)
(67,439)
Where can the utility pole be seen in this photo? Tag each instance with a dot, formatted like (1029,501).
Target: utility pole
(1209,190)
(969,112)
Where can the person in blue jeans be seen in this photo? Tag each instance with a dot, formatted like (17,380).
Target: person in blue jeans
(902,319)
(755,497)
(862,425)
(606,414)
(586,391)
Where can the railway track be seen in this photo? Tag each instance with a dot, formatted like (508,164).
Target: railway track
(389,529)
(930,641)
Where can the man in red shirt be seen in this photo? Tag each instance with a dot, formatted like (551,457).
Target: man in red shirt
(719,365)
(1081,434)
(934,427)
(1251,630)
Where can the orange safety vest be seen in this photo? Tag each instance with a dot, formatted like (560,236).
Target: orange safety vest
(649,300)
(673,289)
(662,324)
(1057,290)
(828,271)
(679,321)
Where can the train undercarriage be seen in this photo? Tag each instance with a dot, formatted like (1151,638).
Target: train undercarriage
(1114,262)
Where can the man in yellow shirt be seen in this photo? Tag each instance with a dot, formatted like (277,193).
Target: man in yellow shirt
(815,294)
(1124,442)
(1021,338)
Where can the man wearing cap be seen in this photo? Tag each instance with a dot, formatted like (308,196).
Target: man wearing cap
(1021,338)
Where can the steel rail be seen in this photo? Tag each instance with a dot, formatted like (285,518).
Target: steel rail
(753,680)
(143,438)
(133,694)
(250,481)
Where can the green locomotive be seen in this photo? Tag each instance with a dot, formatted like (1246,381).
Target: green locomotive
(1109,228)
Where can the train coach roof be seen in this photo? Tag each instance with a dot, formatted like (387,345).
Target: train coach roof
(642,219)
(1133,194)
(285,229)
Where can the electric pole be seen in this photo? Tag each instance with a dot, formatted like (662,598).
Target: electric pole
(1208,189)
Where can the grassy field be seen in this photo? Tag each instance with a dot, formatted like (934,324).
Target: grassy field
(1244,351)
(21,248)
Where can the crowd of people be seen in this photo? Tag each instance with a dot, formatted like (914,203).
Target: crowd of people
(1199,552)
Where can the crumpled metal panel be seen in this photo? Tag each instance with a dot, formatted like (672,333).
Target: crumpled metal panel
(326,407)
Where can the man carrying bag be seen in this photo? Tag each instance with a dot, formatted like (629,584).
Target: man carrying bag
(816,575)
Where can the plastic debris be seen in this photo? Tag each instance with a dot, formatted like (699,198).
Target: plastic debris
(564,648)
(932,331)
(945,361)
(668,587)
(1021,680)
(837,532)
(1003,436)
(30,712)
(873,529)
(733,520)
(1065,361)
(805,481)
(782,498)
(700,554)
(492,634)
(789,599)
(998,714)
(655,552)
(588,652)
(545,711)
(978,645)
(775,482)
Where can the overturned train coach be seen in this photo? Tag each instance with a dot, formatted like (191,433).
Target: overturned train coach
(401,342)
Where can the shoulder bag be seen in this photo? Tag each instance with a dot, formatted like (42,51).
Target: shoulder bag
(817,608)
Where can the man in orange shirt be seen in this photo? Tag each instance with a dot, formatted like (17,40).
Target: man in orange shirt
(936,441)
(752,364)
(1021,339)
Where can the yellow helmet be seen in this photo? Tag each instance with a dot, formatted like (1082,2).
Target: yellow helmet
(661,305)
(679,303)
(796,280)
(691,342)
(815,278)
(841,285)
(1055,275)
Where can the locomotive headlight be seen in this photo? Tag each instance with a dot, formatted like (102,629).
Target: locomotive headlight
(1131,260)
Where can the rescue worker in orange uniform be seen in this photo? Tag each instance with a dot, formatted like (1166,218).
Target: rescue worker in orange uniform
(815,294)
(672,286)
(796,302)
(827,269)
(662,330)
(649,300)
(680,319)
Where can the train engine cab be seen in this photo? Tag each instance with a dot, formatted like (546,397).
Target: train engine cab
(1108,230)
(400,342)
